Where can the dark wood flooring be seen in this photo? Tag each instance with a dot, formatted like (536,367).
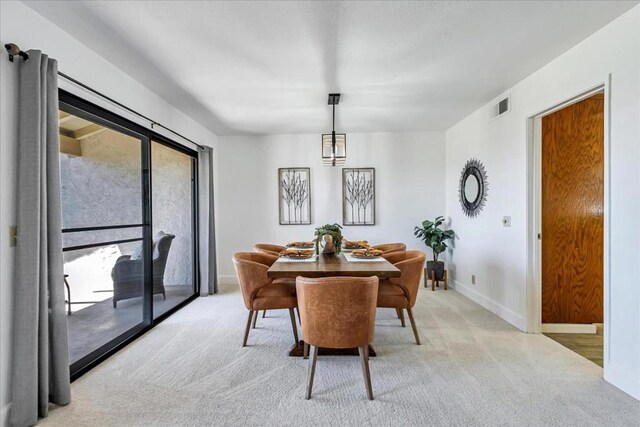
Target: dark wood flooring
(590,346)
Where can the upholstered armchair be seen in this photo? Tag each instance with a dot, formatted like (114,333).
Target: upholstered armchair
(266,248)
(128,273)
(391,247)
(273,250)
(338,312)
(401,292)
(259,292)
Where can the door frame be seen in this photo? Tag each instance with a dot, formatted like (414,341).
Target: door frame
(534,211)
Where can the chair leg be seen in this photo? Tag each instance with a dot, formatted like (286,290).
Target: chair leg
(66,284)
(364,361)
(246,331)
(413,325)
(305,351)
(401,316)
(293,325)
(312,371)
(255,319)
(298,313)
(264,313)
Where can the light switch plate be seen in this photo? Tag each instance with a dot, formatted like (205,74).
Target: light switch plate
(13,235)
(506,221)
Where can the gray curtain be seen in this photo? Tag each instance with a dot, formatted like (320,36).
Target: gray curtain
(206,222)
(40,371)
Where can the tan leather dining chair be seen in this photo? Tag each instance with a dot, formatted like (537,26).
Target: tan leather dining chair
(401,292)
(266,248)
(269,249)
(338,312)
(391,247)
(259,292)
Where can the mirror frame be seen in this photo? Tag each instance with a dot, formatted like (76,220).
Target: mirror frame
(472,208)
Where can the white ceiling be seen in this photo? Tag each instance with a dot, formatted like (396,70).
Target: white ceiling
(267,67)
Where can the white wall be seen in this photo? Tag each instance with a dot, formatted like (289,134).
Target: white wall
(498,255)
(21,25)
(409,171)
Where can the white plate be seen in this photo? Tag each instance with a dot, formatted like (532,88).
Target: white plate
(285,259)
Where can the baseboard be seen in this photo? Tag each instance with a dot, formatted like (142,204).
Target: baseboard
(4,414)
(622,380)
(227,280)
(569,328)
(496,308)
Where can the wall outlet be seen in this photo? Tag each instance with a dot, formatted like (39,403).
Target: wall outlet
(13,235)
(473,279)
(506,221)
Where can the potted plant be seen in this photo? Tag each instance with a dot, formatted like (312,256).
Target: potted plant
(330,244)
(434,237)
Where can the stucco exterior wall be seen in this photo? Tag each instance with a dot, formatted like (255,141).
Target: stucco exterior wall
(103,187)
(171,181)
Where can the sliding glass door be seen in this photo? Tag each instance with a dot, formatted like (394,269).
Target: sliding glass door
(102,198)
(173,182)
(128,212)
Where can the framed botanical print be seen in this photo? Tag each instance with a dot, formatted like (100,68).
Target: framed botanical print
(358,196)
(294,193)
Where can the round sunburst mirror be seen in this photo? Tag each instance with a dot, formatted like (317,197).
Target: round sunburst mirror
(472,190)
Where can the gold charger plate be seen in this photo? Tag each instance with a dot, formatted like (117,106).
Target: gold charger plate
(366,253)
(295,254)
(366,256)
(300,245)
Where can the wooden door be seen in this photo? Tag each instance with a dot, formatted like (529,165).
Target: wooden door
(572,213)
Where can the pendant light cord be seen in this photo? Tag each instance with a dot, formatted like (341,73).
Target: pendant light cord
(333,136)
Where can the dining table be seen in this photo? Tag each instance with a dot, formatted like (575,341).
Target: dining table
(332,265)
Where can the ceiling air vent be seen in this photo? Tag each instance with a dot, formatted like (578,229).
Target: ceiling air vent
(502,107)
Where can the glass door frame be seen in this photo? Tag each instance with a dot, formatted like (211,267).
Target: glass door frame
(77,106)
(159,139)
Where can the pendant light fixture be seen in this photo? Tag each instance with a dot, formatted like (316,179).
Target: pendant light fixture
(334,145)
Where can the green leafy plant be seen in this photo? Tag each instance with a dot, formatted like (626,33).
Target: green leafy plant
(433,236)
(334,230)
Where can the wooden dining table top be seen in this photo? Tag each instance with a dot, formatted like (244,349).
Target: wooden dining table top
(332,265)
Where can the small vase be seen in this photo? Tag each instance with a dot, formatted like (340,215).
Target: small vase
(326,244)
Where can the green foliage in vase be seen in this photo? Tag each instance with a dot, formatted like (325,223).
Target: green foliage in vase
(334,230)
(433,236)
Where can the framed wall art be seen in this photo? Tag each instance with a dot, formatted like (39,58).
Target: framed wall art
(294,192)
(358,196)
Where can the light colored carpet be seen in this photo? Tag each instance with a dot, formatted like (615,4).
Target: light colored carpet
(472,369)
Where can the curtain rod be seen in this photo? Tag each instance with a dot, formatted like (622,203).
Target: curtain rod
(14,50)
